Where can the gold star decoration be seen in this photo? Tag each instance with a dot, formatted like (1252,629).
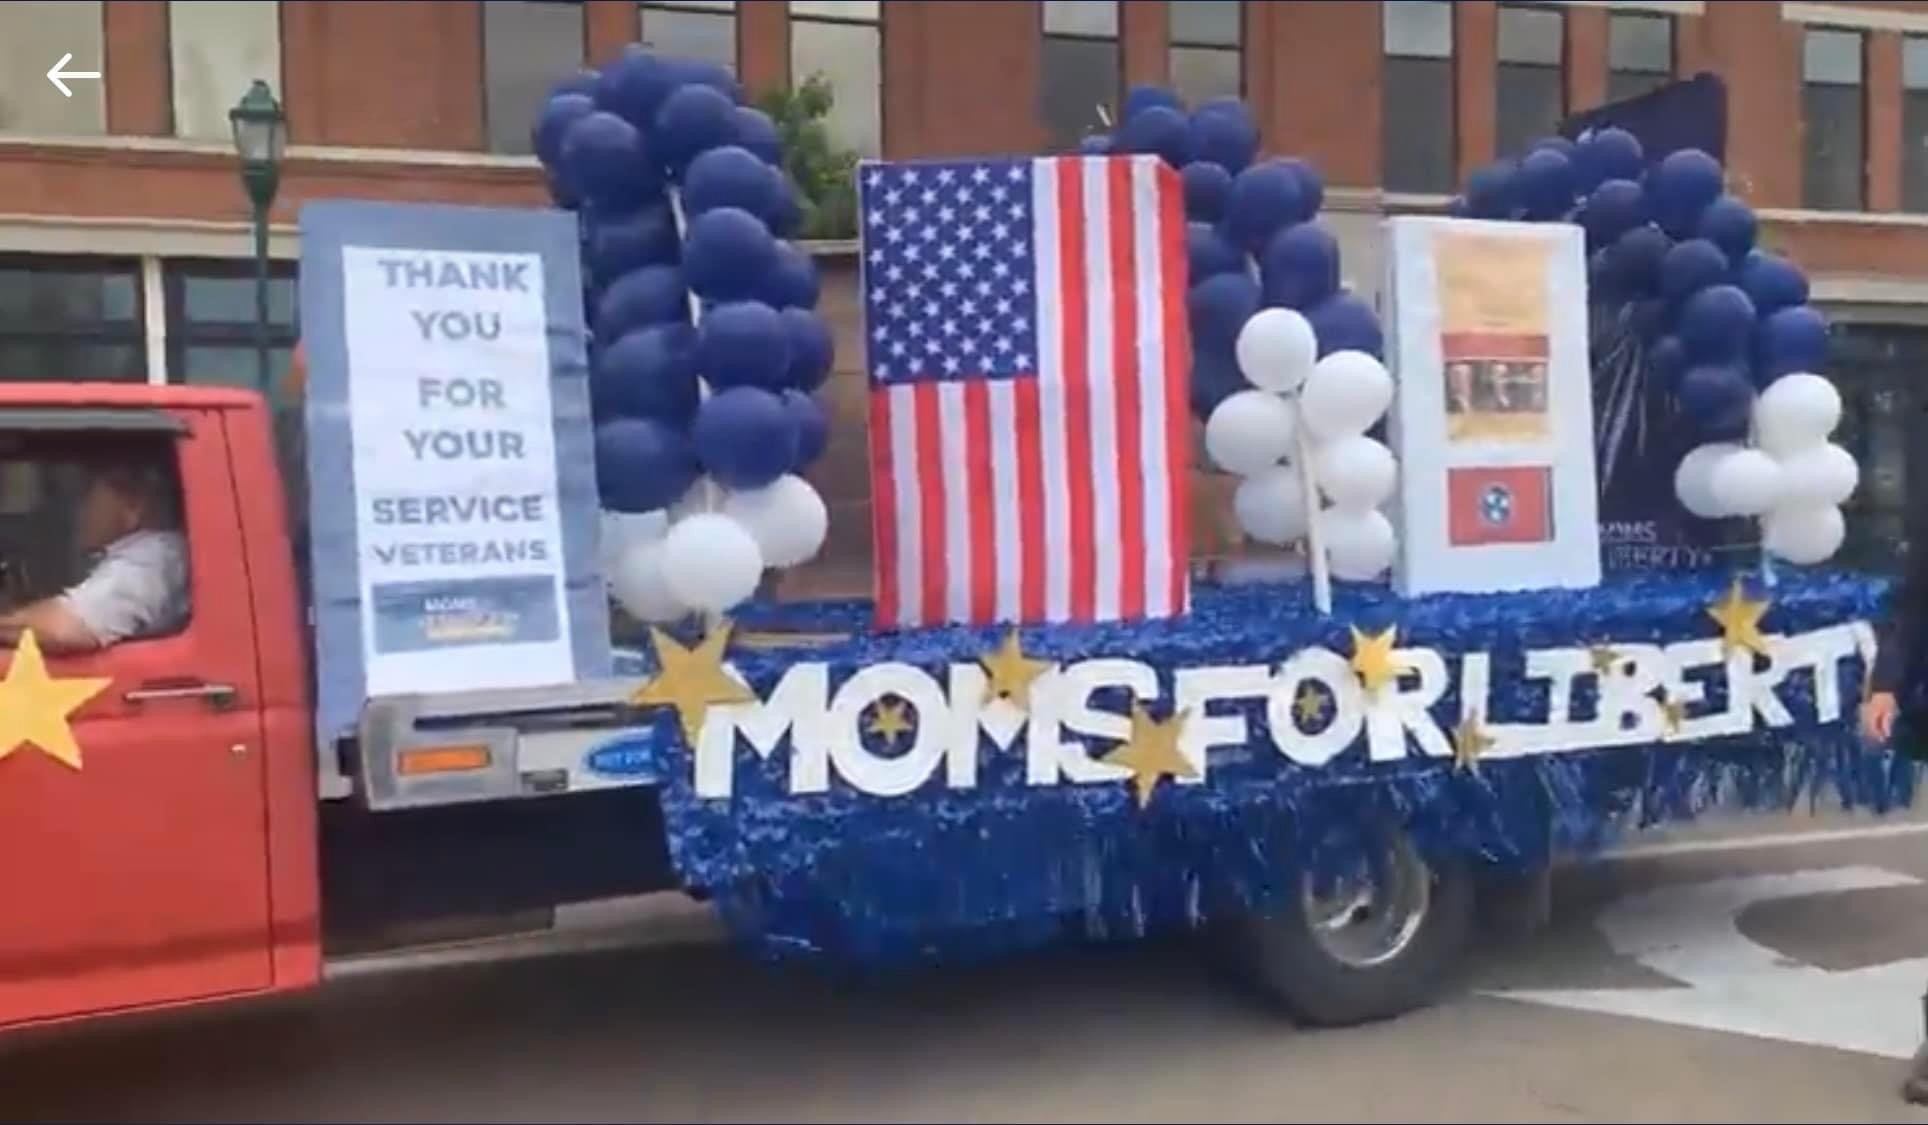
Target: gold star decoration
(691,680)
(1151,752)
(1470,740)
(36,709)
(1011,672)
(1373,659)
(1310,704)
(1739,618)
(888,721)
(1603,658)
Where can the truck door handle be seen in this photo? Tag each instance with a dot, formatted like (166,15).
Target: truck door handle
(217,695)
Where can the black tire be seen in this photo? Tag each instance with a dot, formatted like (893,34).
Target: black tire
(1280,956)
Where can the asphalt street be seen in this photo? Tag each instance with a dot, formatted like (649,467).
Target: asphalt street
(1710,978)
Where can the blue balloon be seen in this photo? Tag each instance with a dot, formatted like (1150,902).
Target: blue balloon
(813,428)
(561,192)
(1215,378)
(651,295)
(1223,133)
(727,252)
(1160,130)
(1790,340)
(1311,187)
(1208,252)
(604,158)
(693,119)
(743,344)
(1731,225)
(1266,198)
(1682,187)
(788,219)
(1343,322)
(648,373)
(642,464)
(1096,144)
(703,72)
(1648,317)
(1715,397)
(1493,192)
(1300,267)
(646,238)
(731,176)
(1717,324)
(634,85)
(1218,308)
(813,350)
(557,115)
(1560,145)
(1667,362)
(1637,257)
(751,128)
(1690,267)
(1547,184)
(582,82)
(745,437)
(792,280)
(1145,97)
(1614,208)
(1603,285)
(1208,191)
(1773,282)
(1609,154)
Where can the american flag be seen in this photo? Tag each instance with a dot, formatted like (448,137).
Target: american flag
(1028,356)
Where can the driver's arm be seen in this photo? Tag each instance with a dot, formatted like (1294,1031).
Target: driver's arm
(55,625)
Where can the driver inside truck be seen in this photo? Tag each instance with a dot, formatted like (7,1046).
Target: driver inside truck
(127,527)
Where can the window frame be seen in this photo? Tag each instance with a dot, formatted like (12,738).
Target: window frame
(876,23)
(734,13)
(1667,20)
(1117,41)
(131,334)
(1388,56)
(488,107)
(1502,64)
(1174,44)
(182,333)
(1860,86)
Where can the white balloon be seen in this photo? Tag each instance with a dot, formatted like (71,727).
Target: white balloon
(786,517)
(1359,544)
(711,562)
(1355,472)
(621,530)
(1822,476)
(1276,349)
(1271,506)
(1250,431)
(1345,394)
(1693,478)
(1804,535)
(639,585)
(1745,482)
(1796,413)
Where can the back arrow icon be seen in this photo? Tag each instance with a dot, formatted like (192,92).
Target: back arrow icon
(55,74)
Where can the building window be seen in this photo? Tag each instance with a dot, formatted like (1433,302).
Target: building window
(692,29)
(1529,94)
(1082,68)
(1876,367)
(1914,123)
(1207,55)
(841,40)
(1416,105)
(1640,53)
(211,323)
(33,35)
(217,49)
(73,319)
(1834,125)
(525,45)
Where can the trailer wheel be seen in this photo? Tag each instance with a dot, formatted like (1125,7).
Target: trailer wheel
(1363,948)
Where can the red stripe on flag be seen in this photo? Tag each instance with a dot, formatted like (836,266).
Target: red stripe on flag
(1074,370)
(883,521)
(979,486)
(1126,372)
(930,502)
(1176,330)
(1030,499)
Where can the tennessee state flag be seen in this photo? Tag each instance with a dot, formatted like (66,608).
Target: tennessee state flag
(1499,504)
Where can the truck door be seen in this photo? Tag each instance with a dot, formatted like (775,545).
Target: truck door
(139,874)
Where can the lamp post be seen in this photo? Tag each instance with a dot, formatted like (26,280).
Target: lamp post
(259,133)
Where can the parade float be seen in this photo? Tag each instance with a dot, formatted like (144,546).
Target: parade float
(1045,725)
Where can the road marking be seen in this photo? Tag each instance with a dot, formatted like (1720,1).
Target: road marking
(1733,984)
(1767,840)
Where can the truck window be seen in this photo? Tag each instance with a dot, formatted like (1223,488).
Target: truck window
(90,524)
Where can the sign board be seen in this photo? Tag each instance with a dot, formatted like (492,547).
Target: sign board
(1493,422)
(452,498)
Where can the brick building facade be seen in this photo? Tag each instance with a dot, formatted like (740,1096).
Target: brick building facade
(123,236)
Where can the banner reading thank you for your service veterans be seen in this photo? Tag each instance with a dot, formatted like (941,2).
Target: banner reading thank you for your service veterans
(452,493)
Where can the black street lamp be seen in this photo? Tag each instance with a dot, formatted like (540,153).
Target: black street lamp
(260,131)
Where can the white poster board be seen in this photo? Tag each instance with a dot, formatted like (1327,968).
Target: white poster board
(1493,421)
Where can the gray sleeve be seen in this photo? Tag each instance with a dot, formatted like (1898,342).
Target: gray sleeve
(127,595)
